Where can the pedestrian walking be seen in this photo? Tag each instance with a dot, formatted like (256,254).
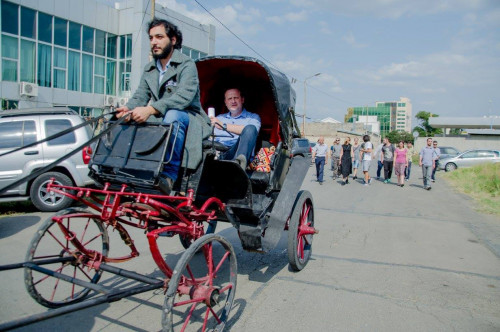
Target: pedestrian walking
(366,158)
(426,161)
(411,153)
(437,154)
(335,151)
(355,163)
(387,158)
(346,160)
(377,152)
(319,156)
(400,162)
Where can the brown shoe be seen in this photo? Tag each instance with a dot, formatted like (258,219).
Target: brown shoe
(165,184)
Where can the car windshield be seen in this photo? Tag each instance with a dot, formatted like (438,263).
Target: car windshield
(302,143)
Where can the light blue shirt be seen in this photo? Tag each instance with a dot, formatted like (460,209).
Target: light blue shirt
(245,118)
(160,69)
(427,154)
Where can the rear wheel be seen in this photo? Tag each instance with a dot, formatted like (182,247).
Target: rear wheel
(450,167)
(201,291)
(47,201)
(300,228)
(50,243)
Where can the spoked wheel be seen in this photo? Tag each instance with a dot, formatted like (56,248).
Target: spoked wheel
(201,291)
(209,228)
(50,243)
(300,231)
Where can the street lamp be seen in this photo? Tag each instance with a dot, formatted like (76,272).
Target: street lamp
(305,98)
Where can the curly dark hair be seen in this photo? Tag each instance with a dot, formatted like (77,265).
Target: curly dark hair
(366,138)
(170,29)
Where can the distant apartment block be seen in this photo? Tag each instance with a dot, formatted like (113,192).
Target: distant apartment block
(391,115)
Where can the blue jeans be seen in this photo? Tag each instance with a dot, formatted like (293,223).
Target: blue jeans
(408,171)
(380,165)
(426,172)
(244,145)
(320,166)
(180,121)
(433,176)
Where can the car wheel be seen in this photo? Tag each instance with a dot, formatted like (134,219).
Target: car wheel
(450,167)
(49,201)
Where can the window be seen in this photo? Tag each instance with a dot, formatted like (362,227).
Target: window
(11,134)
(59,68)
(124,75)
(111,77)
(87,72)
(44,64)
(9,58)
(75,36)
(60,32)
(28,23)
(88,40)
(73,71)
(28,61)
(53,127)
(111,51)
(10,18)
(100,42)
(44,27)
(471,154)
(99,75)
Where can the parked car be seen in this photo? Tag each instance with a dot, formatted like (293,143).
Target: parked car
(448,151)
(301,146)
(22,127)
(469,158)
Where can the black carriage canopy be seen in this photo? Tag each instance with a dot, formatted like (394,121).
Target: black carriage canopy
(267,92)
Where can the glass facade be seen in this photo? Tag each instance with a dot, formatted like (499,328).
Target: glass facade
(54,52)
(381,111)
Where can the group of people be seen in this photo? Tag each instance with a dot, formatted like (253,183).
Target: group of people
(347,158)
(169,91)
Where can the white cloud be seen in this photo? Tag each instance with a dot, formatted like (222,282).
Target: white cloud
(288,17)
(324,27)
(351,40)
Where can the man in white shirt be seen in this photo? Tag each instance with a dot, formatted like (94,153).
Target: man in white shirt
(366,158)
(319,155)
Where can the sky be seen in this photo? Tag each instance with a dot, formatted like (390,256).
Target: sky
(444,55)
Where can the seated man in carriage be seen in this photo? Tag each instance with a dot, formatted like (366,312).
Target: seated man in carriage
(236,129)
(171,87)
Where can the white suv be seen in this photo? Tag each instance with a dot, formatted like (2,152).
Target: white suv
(22,127)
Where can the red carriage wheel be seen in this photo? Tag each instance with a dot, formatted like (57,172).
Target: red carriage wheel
(50,243)
(201,291)
(300,231)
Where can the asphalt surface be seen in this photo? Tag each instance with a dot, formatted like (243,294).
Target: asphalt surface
(386,259)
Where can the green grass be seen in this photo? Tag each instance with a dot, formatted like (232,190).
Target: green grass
(12,208)
(481,182)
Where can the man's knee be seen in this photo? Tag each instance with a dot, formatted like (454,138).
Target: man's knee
(249,131)
(174,115)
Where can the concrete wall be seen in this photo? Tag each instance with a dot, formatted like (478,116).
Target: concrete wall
(332,130)
(463,143)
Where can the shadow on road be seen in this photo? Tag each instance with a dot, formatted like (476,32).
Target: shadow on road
(12,225)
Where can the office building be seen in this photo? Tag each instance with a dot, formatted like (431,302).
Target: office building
(84,54)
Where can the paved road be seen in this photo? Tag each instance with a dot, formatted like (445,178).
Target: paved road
(386,259)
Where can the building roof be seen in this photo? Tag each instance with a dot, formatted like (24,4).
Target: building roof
(494,132)
(465,122)
(331,120)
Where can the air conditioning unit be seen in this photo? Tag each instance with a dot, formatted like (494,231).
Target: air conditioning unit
(110,101)
(28,89)
(122,101)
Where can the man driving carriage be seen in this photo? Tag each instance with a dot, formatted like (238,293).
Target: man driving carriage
(169,90)
(236,129)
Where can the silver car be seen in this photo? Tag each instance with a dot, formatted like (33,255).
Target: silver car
(22,127)
(469,158)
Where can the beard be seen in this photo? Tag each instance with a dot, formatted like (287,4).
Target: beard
(164,52)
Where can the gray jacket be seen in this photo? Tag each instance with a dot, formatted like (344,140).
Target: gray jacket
(179,89)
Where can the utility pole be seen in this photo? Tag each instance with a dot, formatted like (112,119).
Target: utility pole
(152,9)
(305,103)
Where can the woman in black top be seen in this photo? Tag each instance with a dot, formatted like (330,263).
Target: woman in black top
(346,155)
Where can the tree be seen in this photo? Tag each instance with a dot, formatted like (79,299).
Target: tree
(423,128)
(396,136)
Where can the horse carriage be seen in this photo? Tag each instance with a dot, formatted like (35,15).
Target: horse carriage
(71,250)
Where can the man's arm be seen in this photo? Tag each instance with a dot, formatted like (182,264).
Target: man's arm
(254,120)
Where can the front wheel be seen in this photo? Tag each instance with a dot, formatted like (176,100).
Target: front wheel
(201,291)
(450,167)
(50,243)
(49,201)
(300,231)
